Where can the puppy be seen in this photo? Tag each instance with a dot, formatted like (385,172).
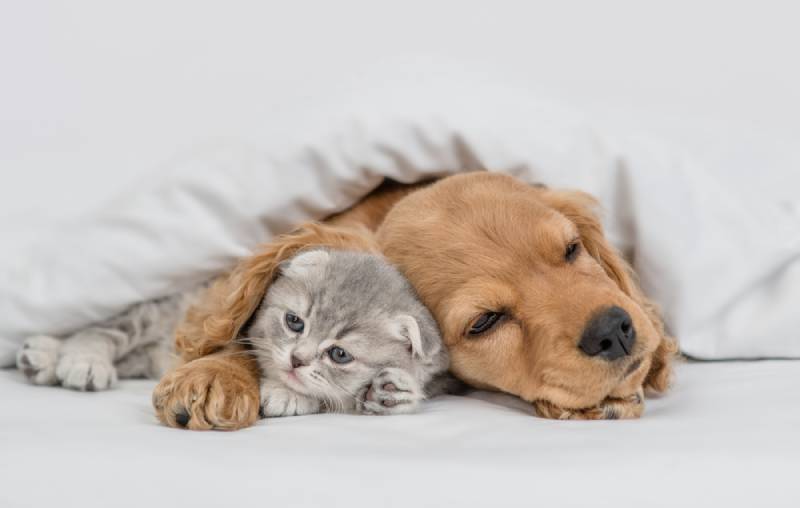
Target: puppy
(530,297)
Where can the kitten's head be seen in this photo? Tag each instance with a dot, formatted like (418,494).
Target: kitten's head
(332,319)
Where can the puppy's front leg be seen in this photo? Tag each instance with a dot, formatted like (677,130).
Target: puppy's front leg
(218,391)
(610,409)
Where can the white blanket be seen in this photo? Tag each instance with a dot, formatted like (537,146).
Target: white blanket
(726,436)
(724,267)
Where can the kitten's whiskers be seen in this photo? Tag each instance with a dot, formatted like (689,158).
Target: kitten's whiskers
(336,402)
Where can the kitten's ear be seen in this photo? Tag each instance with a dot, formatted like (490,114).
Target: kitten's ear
(406,328)
(305,264)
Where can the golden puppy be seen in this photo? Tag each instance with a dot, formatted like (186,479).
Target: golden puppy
(530,298)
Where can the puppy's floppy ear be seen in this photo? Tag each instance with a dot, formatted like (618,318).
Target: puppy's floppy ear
(405,328)
(659,377)
(579,208)
(229,303)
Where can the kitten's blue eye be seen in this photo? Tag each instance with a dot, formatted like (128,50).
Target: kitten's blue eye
(294,323)
(339,355)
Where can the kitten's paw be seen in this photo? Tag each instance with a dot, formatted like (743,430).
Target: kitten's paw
(86,372)
(280,401)
(393,391)
(207,393)
(38,358)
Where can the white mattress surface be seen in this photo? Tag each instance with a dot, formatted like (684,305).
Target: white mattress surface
(728,433)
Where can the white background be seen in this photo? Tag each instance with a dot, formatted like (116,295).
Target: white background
(95,95)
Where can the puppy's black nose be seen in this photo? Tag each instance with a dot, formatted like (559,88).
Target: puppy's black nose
(609,334)
(182,419)
(296,362)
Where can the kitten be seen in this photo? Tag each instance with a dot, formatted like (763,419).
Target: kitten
(345,332)
(137,343)
(390,356)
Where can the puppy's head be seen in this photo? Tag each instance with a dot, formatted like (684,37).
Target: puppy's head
(530,297)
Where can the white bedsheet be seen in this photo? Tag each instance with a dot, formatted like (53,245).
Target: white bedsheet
(729,433)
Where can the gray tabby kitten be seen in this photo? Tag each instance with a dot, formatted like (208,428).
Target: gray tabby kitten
(345,332)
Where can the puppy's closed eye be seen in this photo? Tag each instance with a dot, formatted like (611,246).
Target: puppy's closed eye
(572,250)
(484,323)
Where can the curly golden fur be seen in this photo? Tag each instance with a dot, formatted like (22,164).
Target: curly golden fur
(469,244)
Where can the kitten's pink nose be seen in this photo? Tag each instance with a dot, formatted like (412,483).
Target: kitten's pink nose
(297,362)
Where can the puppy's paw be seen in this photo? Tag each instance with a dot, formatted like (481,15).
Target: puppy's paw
(393,391)
(38,359)
(280,401)
(629,407)
(207,394)
(86,372)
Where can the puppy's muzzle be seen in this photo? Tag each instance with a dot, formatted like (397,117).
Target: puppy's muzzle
(609,334)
